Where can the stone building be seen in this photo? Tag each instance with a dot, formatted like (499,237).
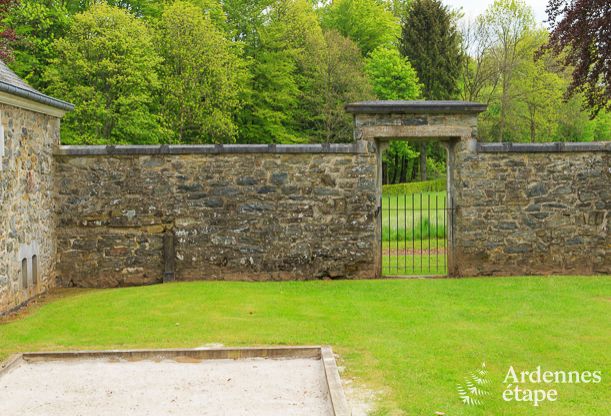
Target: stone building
(29,134)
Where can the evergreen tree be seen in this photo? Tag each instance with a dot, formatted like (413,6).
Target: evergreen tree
(431,42)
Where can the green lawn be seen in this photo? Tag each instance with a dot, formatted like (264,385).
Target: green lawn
(410,225)
(412,341)
(406,211)
(414,265)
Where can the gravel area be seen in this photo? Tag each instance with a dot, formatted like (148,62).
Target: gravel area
(260,387)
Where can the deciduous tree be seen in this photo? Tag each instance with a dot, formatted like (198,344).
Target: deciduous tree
(7,34)
(345,81)
(202,76)
(107,65)
(367,22)
(37,25)
(581,36)
(507,23)
(392,75)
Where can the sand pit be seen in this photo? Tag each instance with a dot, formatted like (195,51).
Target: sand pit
(113,386)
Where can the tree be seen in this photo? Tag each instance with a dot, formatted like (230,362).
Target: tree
(367,22)
(392,75)
(201,76)
(345,81)
(285,94)
(431,41)
(7,34)
(394,78)
(37,24)
(507,23)
(138,8)
(245,18)
(580,35)
(107,65)
(479,76)
(537,91)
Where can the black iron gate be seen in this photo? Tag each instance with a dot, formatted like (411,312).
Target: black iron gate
(415,234)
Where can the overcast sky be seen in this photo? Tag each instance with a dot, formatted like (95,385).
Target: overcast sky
(472,8)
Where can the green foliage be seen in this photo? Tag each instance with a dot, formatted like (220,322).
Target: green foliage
(369,23)
(106,65)
(344,82)
(432,43)
(38,24)
(286,97)
(435,185)
(138,8)
(201,77)
(392,75)
(399,162)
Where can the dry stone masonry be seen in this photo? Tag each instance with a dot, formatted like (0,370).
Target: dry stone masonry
(533,209)
(105,216)
(233,212)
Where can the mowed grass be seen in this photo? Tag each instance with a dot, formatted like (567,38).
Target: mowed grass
(414,265)
(412,212)
(411,224)
(410,341)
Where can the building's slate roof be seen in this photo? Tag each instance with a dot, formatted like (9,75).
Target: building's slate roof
(11,83)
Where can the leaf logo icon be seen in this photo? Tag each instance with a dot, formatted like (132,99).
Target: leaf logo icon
(474,389)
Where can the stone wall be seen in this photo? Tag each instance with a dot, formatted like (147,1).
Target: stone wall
(532,209)
(231,212)
(27,220)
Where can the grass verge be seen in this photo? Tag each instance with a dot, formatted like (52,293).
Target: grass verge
(412,341)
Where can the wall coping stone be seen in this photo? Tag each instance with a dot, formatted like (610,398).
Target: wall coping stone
(358,147)
(556,147)
(414,107)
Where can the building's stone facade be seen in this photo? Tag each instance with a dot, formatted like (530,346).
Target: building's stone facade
(532,209)
(27,212)
(268,215)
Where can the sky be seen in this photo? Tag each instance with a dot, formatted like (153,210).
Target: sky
(472,8)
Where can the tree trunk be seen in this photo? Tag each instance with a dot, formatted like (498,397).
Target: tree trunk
(423,161)
(403,177)
(532,127)
(384,173)
(395,169)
